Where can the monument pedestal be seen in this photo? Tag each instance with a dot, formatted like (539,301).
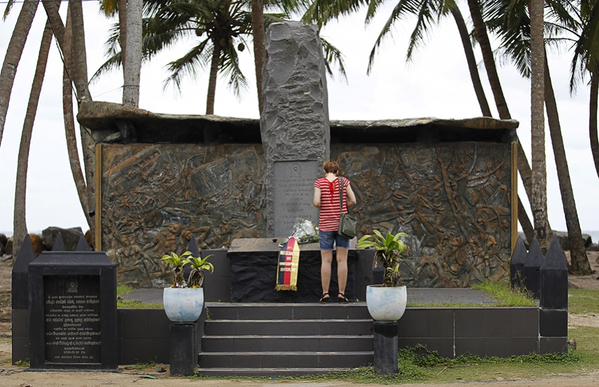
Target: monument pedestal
(254,269)
(183,354)
(386,347)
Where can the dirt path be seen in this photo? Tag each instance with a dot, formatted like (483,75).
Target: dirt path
(20,378)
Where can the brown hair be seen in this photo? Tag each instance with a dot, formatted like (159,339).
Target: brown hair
(331,167)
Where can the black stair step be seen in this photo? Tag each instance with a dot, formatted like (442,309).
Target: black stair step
(285,359)
(255,343)
(268,371)
(288,327)
(290,311)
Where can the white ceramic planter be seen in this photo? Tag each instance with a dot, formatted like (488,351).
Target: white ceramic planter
(183,304)
(386,304)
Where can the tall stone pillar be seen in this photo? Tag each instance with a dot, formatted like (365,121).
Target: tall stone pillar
(294,123)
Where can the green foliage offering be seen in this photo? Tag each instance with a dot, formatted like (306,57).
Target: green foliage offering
(583,301)
(505,295)
(176,263)
(389,249)
(198,265)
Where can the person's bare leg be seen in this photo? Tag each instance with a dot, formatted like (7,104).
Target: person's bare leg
(342,269)
(325,269)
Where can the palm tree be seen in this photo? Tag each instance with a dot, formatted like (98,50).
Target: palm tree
(258,33)
(220,25)
(78,62)
(69,124)
(20,222)
(13,55)
(537,115)
(81,85)
(586,61)
(512,23)
(132,66)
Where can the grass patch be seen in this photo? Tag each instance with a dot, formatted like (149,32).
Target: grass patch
(123,290)
(582,301)
(122,304)
(505,295)
(417,365)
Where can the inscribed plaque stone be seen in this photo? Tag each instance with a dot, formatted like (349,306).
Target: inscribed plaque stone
(72,313)
(293,189)
(72,319)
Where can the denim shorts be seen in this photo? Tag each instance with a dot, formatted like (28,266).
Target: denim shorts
(330,238)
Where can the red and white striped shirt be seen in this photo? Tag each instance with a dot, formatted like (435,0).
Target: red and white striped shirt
(329,202)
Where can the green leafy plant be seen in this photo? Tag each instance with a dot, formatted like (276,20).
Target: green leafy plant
(199,266)
(176,263)
(390,249)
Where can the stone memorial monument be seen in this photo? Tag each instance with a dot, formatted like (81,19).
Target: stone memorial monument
(72,314)
(294,123)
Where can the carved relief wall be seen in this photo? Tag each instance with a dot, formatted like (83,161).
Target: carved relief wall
(454,198)
(155,196)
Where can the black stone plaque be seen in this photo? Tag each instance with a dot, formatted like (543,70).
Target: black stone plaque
(72,319)
(72,314)
(293,191)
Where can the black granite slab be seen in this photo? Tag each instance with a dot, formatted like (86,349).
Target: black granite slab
(73,320)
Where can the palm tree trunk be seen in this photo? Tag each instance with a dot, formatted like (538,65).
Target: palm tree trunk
(69,124)
(579,262)
(78,62)
(132,65)
(123,32)
(58,30)
(500,102)
(480,32)
(259,49)
(13,57)
(472,68)
(593,120)
(524,220)
(537,125)
(20,219)
(214,64)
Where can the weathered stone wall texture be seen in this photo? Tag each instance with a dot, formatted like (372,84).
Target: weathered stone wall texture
(454,198)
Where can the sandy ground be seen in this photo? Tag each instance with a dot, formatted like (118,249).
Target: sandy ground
(130,376)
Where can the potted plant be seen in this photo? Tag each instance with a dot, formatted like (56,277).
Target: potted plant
(387,301)
(184,300)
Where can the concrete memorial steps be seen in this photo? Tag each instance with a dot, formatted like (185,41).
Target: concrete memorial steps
(285,339)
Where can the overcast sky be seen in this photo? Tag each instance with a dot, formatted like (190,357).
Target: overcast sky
(435,84)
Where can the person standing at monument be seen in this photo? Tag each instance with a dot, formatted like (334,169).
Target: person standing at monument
(326,198)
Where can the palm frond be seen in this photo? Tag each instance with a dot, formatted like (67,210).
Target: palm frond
(111,63)
(187,64)
(7,9)
(321,12)
(231,70)
(402,8)
(425,17)
(333,56)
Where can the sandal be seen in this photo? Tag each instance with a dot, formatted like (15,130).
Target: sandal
(342,299)
(325,297)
